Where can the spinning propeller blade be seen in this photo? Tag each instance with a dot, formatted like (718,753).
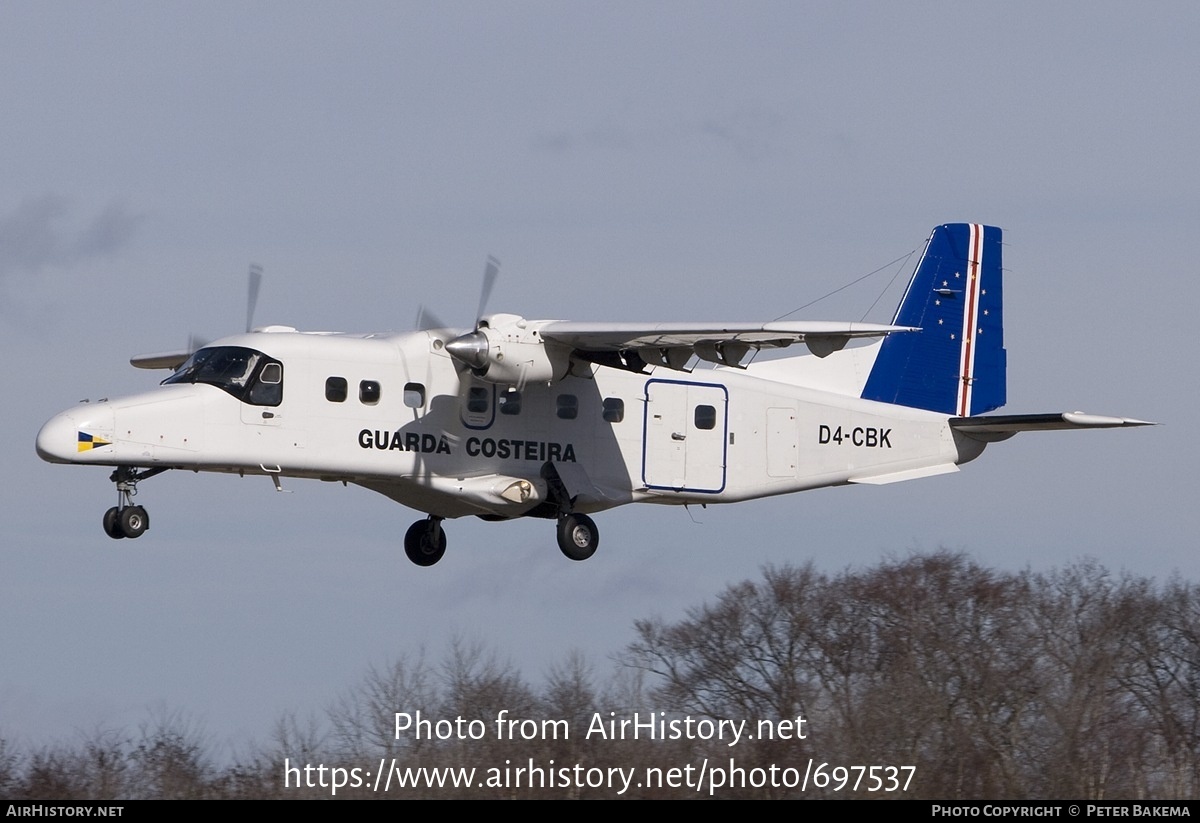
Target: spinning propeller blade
(256,274)
(490,272)
(470,349)
(195,342)
(427,320)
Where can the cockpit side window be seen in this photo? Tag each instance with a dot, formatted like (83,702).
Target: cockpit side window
(267,390)
(248,375)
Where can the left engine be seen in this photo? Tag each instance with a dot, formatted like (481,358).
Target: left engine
(509,350)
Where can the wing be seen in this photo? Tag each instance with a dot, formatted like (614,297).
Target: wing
(161,360)
(1004,426)
(672,344)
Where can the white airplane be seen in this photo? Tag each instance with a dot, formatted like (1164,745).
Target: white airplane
(554,419)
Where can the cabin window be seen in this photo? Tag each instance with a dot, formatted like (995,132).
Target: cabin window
(477,400)
(336,389)
(509,402)
(706,417)
(568,406)
(614,409)
(369,392)
(414,395)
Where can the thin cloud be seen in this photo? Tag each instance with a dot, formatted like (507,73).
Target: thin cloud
(605,137)
(37,235)
(752,133)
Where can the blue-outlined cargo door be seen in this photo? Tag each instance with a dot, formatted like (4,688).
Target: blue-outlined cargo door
(684,436)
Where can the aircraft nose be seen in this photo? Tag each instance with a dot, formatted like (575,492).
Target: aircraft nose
(57,442)
(77,436)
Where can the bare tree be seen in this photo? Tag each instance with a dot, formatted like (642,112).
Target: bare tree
(363,719)
(171,759)
(1070,684)
(1163,677)
(10,768)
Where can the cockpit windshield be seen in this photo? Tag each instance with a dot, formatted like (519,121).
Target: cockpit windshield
(248,375)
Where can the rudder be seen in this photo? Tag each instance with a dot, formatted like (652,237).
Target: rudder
(956,363)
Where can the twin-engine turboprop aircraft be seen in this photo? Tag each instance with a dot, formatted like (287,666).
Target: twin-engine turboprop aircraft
(554,419)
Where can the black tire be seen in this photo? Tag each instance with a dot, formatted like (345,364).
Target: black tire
(419,544)
(112,523)
(578,536)
(134,521)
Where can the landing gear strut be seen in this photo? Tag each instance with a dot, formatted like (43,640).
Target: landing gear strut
(578,536)
(126,519)
(425,541)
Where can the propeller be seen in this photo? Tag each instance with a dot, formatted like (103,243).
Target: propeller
(253,286)
(490,272)
(427,320)
(195,342)
(472,348)
(174,359)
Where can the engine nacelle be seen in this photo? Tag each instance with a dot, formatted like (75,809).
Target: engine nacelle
(507,349)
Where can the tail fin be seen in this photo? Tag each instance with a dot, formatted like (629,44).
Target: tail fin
(956,363)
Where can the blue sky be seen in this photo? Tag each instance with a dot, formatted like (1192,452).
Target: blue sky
(626,161)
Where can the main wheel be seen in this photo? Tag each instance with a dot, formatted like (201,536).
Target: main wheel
(578,536)
(420,546)
(134,521)
(112,523)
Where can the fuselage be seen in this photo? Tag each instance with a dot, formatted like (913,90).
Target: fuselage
(396,414)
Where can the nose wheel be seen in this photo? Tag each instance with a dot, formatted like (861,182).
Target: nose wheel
(130,521)
(126,519)
(112,523)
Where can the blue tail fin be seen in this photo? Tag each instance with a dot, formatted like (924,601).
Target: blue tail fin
(956,363)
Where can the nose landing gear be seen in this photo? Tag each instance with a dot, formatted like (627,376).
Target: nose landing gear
(126,519)
(131,521)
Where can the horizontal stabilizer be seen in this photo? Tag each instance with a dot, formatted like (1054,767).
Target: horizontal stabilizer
(1003,426)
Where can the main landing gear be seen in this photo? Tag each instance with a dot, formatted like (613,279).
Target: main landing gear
(126,519)
(578,536)
(425,540)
